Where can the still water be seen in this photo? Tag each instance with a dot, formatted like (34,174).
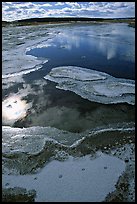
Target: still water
(107,48)
(52,137)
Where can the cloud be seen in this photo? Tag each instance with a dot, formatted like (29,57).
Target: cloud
(59,3)
(45,5)
(22,10)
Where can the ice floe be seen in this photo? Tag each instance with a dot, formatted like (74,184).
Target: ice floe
(93,85)
(23,72)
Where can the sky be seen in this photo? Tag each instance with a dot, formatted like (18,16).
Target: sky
(22,10)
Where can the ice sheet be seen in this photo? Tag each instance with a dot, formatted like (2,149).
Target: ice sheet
(93,85)
(81,179)
(16,42)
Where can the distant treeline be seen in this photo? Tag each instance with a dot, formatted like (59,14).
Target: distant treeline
(54,19)
(64,19)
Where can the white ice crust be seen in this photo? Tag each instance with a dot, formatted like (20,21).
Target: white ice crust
(16,42)
(93,85)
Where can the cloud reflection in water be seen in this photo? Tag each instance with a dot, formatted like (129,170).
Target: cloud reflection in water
(13,109)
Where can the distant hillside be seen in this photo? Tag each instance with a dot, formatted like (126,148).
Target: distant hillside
(5,23)
(33,21)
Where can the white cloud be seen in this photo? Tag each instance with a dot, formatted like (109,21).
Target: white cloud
(22,10)
(59,3)
(73,4)
(47,5)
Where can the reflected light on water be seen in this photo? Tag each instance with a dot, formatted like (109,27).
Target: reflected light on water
(13,109)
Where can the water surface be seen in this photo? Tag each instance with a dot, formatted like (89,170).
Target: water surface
(108,48)
(52,136)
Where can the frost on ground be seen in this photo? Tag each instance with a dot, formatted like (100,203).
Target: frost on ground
(93,85)
(17,194)
(100,161)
